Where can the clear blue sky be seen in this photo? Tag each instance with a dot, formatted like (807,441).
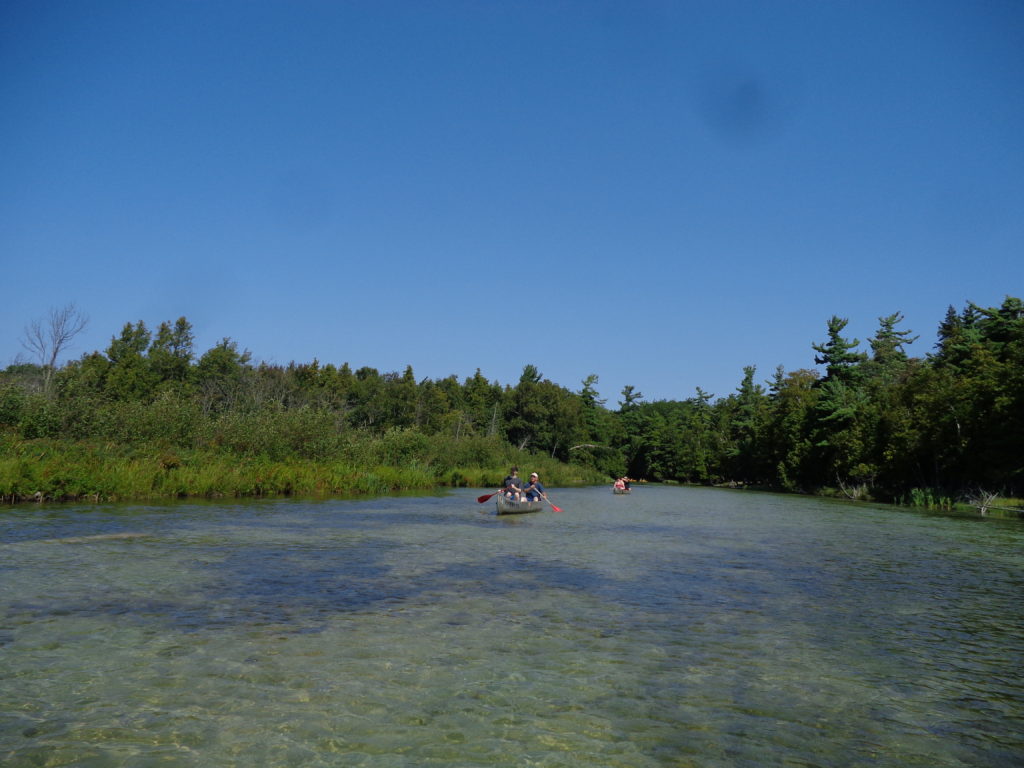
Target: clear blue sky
(659,193)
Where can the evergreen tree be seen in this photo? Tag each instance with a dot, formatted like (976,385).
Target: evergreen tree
(793,399)
(484,402)
(953,420)
(529,413)
(593,406)
(887,344)
(568,426)
(957,338)
(701,457)
(630,398)
(837,434)
(748,416)
(838,354)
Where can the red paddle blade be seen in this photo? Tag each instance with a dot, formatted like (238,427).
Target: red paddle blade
(482,499)
(557,509)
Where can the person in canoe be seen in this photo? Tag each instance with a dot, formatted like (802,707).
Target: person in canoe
(534,490)
(620,484)
(512,485)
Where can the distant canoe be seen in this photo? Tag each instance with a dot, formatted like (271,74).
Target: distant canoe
(618,491)
(509,507)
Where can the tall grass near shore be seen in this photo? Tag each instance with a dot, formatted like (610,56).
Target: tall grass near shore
(64,470)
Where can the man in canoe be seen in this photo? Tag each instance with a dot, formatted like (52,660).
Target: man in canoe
(512,485)
(534,490)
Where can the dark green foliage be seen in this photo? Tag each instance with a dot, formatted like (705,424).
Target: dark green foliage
(748,415)
(170,353)
(129,376)
(887,345)
(223,378)
(788,455)
(838,354)
(870,426)
(878,425)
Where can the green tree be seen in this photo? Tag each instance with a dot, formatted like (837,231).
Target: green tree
(838,433)
(171,354)
(748,418)
(529,413)
(434,411)
(698,459)
(369,409)
(838,354)
(600,439)
(483,404)
(793,398)
(337,388)
(958,337)
(841,434)
(593,409)
(995,378)
(568,422)
(222,375)
(86,376)
(630,397)
(887,343)
(130,376)
(969,403)
(530,375)
(400,399)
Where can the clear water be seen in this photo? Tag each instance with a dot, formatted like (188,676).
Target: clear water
(670,627)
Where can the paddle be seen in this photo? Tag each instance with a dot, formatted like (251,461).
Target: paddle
(557,509)
(482,499)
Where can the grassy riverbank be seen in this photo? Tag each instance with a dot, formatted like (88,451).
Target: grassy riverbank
(51,470)
(972,503)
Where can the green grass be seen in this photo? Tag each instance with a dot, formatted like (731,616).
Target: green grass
(65,471)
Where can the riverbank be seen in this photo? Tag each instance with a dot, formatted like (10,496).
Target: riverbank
(47,470)
(65,471)
(977,503)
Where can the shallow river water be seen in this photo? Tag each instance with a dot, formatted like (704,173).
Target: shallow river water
(669,627)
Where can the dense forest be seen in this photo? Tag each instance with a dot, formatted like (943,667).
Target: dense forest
(868,422)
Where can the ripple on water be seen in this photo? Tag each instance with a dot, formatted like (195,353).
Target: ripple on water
(687,628)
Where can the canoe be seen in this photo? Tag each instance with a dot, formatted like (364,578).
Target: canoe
(509,507)
(620,490)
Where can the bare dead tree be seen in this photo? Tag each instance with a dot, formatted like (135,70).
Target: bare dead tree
(48,338)
(983,500)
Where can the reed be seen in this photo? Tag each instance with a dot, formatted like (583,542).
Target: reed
(927,498)
(47,469)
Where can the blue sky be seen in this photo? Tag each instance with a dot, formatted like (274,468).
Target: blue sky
(659,193)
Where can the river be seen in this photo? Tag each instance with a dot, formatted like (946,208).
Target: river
(670,627)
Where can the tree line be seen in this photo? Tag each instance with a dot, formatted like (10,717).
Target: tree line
(872,422)
(875,423)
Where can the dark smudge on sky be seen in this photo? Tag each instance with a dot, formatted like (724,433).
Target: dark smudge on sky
(739,110)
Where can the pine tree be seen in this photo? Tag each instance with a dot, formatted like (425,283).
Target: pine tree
(838,354)
(887,344)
